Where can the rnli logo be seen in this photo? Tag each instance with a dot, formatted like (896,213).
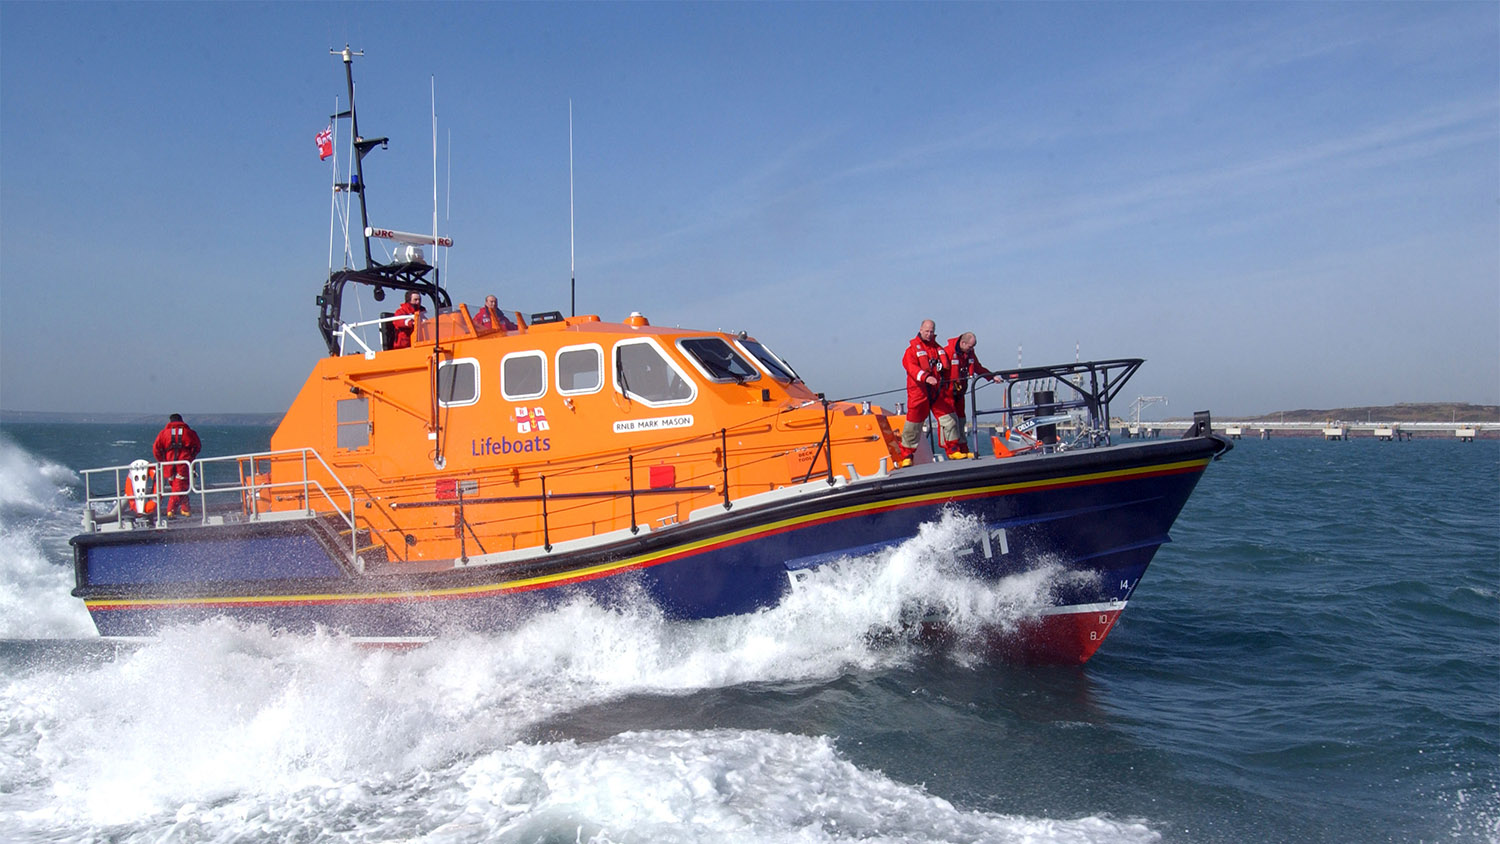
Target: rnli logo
(528,418)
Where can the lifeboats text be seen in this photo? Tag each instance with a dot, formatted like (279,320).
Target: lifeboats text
(506,445)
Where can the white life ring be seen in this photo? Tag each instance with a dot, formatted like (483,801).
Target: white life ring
(140,487)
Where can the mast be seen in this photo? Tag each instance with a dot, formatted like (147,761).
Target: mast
(361,147)
(410,270)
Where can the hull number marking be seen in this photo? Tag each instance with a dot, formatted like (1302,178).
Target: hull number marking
(989,550)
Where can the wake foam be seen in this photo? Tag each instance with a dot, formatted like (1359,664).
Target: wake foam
(219,731)
(38,512)
(898,594)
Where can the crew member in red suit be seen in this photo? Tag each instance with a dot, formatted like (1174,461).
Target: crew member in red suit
(176,442)
(490,316)
(962,364)
(926,365)
(406,321)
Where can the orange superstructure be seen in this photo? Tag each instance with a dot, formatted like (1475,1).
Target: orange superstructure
(478,441)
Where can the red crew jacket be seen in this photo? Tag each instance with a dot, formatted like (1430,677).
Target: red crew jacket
(961,365)
(405,327)
(490,318)
(176,442)
(921,360)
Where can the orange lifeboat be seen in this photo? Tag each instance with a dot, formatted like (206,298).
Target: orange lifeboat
(491,470)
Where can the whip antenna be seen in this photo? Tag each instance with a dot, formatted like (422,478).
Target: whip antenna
(334,217)
(448,197)
(572,254)
(434,168)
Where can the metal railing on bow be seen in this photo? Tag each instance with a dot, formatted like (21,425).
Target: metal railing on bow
(1040,399)
(224,488)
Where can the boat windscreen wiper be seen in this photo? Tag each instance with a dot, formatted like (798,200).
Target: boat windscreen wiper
(620,371)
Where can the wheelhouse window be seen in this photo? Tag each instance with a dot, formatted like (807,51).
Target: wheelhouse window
(773,365)
(580,369)
(523,375)
(643,372)
(458,382)
(353,423)
(717,360)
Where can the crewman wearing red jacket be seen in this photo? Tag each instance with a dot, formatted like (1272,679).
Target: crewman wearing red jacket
(963,364)
(406,320)
(926,365)
(176,442)
(491,317)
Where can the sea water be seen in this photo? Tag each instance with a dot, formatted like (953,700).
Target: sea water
(1315,657)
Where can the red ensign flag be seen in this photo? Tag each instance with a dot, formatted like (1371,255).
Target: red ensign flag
(325,143)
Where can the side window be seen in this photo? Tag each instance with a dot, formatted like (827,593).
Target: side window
(580,369)
(523,376)
(458,382)
(716,360)
(353,425)
(643,372)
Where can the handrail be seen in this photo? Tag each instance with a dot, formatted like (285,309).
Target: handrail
(198,472)
(1093,385)
(1092,395)
(346,329)
(547,500)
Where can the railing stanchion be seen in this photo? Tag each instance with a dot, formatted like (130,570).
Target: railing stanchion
(827,438)
(825,442)
(546,537)
(724,455)
(971,430)
(195,466)
(463,547)
(630,458)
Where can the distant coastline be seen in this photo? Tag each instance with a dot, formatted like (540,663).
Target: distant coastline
(21,417)
(1403,412)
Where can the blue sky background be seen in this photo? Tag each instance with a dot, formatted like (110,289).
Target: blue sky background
(1278,205)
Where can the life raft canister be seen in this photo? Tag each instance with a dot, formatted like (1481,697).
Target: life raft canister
(140,487)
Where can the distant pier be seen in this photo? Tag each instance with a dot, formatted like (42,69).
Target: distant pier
(1335,431)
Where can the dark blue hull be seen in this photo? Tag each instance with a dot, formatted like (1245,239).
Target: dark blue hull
(1101,513)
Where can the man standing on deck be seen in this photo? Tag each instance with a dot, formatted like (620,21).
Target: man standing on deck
(406,322)
(175,446)
(962,363)
(926,365)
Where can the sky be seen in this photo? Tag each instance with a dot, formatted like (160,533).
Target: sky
(1278,206)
